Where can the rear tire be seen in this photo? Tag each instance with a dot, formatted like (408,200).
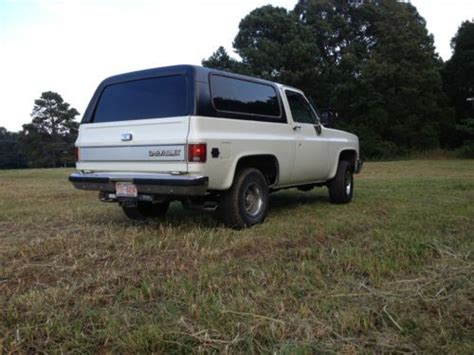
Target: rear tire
(341,188)
(246,202)
(146,210)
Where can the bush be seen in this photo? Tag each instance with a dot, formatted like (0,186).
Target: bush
(466,151)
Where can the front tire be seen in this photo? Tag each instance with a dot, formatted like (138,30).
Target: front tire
(341,188)
(146,210)
(246,202)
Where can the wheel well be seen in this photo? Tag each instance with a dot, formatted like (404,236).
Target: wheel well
(350,156)
(266,163)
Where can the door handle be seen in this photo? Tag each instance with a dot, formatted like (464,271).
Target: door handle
(296,128)
(318,129)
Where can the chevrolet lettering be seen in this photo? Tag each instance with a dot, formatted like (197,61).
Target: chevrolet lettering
(164,153)
(213,140)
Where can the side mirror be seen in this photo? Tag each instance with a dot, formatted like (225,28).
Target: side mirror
(328,116)
(325,118)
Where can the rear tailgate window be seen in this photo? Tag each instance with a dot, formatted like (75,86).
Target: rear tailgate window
(142,99)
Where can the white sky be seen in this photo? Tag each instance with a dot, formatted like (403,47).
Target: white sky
(69,46)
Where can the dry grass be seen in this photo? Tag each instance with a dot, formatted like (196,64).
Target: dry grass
(391,272)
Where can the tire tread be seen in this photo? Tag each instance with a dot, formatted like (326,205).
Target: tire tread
(337,193)
(229,210)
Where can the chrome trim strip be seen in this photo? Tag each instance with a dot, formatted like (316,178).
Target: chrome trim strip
(148,153)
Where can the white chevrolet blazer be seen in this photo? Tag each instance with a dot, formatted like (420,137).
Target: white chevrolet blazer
(211,139)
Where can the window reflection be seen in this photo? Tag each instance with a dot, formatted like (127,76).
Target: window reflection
(241,96)
(141,99)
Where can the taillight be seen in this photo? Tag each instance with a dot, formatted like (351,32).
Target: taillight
(76,153)
(197,153)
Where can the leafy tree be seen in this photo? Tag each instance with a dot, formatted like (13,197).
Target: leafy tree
(220,59)
(402,69)
(48,141)
(272,42)
(374,63)
(344,36)
(10,156)
(458,81)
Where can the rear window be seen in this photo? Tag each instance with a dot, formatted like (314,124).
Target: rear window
(141,99)
(245,97)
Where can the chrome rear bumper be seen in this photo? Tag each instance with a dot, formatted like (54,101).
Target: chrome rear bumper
(147,183)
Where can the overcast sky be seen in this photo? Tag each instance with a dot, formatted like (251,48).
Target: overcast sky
(69,46)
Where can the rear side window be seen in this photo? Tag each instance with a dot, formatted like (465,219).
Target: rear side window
(244,97)
(141,99)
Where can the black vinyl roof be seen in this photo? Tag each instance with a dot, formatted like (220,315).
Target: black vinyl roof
(200,73)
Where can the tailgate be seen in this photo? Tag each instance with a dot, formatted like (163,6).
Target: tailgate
(151,145)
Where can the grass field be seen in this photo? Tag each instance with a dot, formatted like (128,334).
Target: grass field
(391,272)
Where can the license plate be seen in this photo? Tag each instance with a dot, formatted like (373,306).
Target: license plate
(125,189)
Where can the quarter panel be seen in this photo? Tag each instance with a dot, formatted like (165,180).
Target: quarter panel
(236,139)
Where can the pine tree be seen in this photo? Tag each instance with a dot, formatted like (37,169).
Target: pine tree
(48,141)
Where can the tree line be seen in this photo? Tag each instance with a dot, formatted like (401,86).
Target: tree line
(374,63)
